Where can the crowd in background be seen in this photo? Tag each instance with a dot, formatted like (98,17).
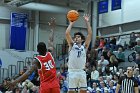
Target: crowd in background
(102,67)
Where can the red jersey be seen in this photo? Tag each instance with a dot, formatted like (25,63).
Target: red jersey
(102,43)
(47,72)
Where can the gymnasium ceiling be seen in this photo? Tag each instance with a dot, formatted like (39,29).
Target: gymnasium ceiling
(80,5)
(56,2)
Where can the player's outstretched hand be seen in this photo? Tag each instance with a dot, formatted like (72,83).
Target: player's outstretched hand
(71,22)
(86,17)
(52,22)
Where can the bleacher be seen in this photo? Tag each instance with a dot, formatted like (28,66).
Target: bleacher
(14,61)
(18,59)
(126,63)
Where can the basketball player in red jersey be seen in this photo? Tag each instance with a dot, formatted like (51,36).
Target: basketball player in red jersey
(45,65)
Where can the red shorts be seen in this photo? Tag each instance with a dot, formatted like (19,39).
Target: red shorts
(50,87)
(49,90)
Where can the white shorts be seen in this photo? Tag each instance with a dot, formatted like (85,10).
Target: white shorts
(77,79)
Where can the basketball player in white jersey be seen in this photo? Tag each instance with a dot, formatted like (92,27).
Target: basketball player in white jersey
(77,57)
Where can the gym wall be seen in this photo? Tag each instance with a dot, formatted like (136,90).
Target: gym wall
(122,21)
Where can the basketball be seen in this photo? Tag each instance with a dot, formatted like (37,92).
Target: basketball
(72,15)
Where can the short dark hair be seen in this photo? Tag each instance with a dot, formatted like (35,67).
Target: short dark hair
(41,48)
(102,55)
(120,67)
(79,33)
(131,67)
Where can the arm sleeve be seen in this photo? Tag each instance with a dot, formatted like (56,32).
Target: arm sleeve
(120,80)
(135,83)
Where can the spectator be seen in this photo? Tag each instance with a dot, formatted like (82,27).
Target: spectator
(109,71)
(34,78)
(113,60)
(121,56)
(103,87)
(102,63)
(102,43)
(25,89)
(3,87)
(94,56)
(64,72)
(88,71)
(107,81)
(97,41)
(121,72)
(31,77)
(94,76)
(65,85)
(138,37)
(119,43)
(136,72)
(101,79)
(107,43)
(35,89)
(17,90)
(111,88)
(132,40)
(104,53)
(115,79)
(137,49)
(94,88)
(113,43)
(100,47)
(60,77)
(64,69)
(89,58)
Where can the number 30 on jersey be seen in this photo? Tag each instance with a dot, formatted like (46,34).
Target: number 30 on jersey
(48,65)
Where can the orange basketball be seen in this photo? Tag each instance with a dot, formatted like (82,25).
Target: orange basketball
(72,15)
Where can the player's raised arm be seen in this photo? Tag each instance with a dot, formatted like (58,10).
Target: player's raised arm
(89,30)
(51,35)
(35,65)
(68,35)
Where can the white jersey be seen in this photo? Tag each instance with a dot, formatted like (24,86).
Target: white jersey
(77,57)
